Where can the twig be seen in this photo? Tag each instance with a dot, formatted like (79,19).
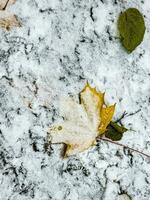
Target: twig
(133,113)
(6,5)
(122,145)
(125,114)
(121,117)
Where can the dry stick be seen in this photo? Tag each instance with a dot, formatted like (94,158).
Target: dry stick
(6,5)
(125,114)
(121,117)
(122,145)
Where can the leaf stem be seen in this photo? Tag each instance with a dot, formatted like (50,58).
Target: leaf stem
(122,145)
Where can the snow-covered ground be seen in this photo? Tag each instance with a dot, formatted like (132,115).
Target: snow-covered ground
(61,44)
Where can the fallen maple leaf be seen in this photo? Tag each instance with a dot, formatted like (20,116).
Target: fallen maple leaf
(7,20)
(83,121)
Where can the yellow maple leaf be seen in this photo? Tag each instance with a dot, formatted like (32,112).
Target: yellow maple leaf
(83,121)
(106,116)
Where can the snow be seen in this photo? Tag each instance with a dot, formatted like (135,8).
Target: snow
(60,46)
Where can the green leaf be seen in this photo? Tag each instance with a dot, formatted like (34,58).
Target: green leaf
(131,26)
(114,131)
